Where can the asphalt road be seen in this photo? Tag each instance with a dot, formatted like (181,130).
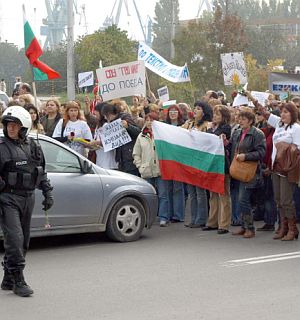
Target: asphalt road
(170,273)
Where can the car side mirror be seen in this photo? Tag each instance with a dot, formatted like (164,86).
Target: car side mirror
(86,167)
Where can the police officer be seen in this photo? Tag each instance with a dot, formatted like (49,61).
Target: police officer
(22,169)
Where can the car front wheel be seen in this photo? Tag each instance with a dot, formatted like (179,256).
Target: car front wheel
(126,220)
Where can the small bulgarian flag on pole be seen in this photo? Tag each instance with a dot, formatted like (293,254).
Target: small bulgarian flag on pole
(33,51)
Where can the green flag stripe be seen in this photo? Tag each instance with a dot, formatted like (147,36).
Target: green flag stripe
(28,35)
(200,160)
(39,75)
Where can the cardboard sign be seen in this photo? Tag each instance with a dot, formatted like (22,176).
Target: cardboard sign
(234,68)
(240,100)
(280,82)
(114,135)
(122,80)
(163,94)
(260,96)
(159,65)
(85,79)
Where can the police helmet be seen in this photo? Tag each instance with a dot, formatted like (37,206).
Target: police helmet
(19,115)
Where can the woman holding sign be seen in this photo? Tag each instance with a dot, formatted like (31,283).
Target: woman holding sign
(111,112)
(104,160)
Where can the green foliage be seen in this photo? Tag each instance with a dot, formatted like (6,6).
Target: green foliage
(12,63)
(166,14)
(201,43)
(112,46)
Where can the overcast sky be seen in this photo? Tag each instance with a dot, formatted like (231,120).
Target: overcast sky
(11,17)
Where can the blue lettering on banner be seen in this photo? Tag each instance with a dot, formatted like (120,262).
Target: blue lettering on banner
(286,87)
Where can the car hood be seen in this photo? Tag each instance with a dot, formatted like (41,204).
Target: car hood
(126,176)
(129,179)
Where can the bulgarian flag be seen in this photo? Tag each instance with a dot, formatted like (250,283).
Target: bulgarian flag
(190,156)
(33,51)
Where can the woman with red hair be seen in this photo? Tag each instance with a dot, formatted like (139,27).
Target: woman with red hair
(72,127)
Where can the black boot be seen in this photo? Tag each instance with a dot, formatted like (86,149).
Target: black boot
(8,281)
(21,288)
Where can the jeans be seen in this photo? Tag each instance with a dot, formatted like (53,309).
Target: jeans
(176,200)
(235,205)
(161,187)
(297,202)
(270,213)
(245,196)
(199,208)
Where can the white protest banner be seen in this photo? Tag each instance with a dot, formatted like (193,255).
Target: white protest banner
(122,80)
(261,97)
(233,66)
(163,94)
(160,66)
(114,135)
(85,79)
(240,100)
(280,82)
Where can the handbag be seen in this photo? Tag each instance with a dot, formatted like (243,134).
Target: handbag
(243,171)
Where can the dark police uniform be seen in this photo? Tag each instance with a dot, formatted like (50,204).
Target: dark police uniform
(22,169)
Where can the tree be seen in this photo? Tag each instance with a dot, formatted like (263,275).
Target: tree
(166,19)
(258,75)
(201,44)
(12,63)
(112,46)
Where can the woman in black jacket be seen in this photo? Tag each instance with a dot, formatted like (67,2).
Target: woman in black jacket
(123,153)
(248,144)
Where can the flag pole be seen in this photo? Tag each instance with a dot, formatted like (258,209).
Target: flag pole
(34,88)
(192,90)
(147,81)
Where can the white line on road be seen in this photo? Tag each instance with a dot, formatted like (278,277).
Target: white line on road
(262,259)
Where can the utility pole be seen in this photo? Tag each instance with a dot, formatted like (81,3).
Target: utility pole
(172,51)
(70,53)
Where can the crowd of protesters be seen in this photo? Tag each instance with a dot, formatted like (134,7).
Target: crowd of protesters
(249,131)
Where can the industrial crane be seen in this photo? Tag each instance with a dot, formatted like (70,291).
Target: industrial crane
(208,4)
(54,26)
(115,19)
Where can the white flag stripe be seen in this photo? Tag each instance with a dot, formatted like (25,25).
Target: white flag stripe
(191,139)
(266,257)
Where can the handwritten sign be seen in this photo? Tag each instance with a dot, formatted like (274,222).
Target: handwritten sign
(114,135)
(122,80)
(159,65)
(234,68)
(261,97)
(163,94)
(85,79)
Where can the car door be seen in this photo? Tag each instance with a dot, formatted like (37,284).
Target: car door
(77,196)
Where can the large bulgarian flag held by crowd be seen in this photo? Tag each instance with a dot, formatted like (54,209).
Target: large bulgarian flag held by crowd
(33,51)
(190,156)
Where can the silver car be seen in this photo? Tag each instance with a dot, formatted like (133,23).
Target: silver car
(88,198)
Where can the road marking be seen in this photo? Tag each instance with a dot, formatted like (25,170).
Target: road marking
(262,259)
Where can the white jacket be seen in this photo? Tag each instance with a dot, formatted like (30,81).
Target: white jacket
(145,157)
(289,134)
